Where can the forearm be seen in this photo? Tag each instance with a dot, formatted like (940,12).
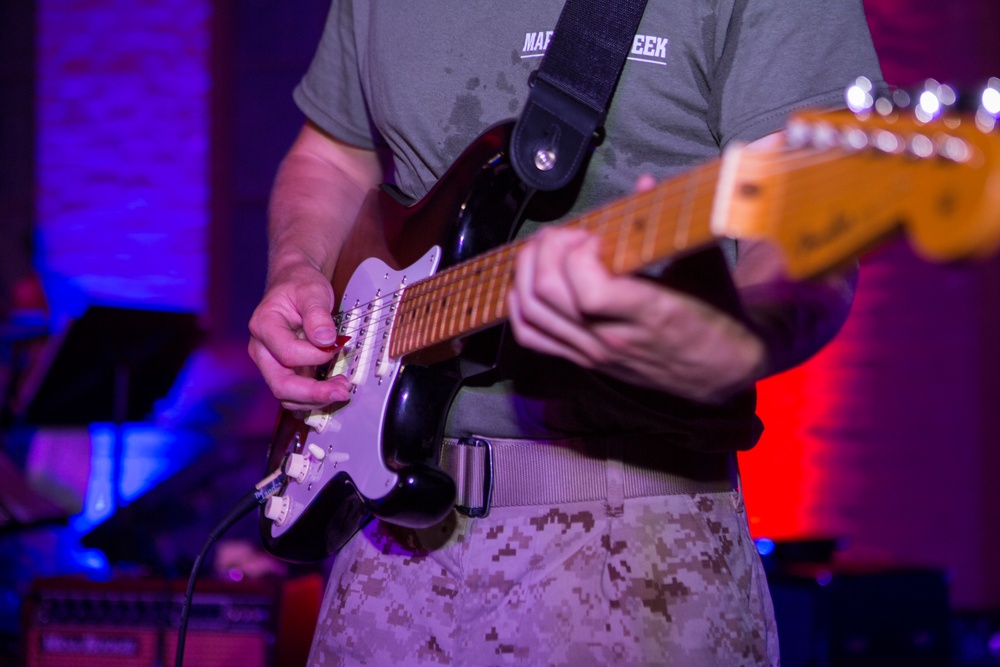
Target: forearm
(794,320)
(318,191)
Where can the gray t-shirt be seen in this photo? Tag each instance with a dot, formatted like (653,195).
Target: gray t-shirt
(423,79)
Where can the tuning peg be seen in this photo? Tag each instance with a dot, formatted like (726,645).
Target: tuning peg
(859,95)
(989,106)
(934,100)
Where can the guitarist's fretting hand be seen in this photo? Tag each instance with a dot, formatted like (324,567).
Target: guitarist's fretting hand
(565,303)
(293,333)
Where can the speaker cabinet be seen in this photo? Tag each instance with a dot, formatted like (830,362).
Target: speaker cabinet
(72,622)
(861,617)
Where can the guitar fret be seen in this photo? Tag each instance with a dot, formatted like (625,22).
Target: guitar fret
(423,309)
(408,308)
(462,304)
(643,227)
(438,303)
(648,243)
(402,326)
(639,221)
(699,223)
(428,312)
(444,298)
(418,317)
(456,298)
(481,301)
(490,287)
(621,247)
(435,313)
(683,227)
(477,293)
(506,266)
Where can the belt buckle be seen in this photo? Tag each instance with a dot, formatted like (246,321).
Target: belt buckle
(487,494)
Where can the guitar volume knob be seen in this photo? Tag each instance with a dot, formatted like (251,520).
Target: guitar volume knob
(297,467)
(277,508)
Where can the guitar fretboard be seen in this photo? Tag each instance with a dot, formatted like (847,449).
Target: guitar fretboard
(647,227)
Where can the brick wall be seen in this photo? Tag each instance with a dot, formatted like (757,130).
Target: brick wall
(122,152)
(889,437)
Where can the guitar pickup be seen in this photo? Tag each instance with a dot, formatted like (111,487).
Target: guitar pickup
(382,364)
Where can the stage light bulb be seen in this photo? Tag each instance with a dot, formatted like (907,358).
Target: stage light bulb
(991,101)
(930,104)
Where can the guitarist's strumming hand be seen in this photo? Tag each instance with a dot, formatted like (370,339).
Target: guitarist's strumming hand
(317,193)
(292,332)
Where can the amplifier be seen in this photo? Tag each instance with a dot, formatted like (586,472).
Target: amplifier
(861,616)
(72,622)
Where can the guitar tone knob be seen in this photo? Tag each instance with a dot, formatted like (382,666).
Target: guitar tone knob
(297,467)
(277,508)
(318,420)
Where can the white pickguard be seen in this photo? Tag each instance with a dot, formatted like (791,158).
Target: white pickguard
(350,439)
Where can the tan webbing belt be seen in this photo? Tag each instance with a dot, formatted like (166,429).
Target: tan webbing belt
(498,472)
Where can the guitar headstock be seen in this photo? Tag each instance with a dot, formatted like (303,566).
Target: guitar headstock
(843,180)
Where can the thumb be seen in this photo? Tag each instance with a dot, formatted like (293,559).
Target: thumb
(320,330)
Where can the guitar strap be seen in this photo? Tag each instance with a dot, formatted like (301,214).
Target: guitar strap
(566,106)
(571,90)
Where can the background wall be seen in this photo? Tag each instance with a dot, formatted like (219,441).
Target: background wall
(887,439)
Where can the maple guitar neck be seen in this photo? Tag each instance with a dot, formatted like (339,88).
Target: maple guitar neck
(833,187)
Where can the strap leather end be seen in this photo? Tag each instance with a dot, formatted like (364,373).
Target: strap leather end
(551,138)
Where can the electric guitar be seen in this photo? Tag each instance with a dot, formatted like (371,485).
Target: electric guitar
(418,281)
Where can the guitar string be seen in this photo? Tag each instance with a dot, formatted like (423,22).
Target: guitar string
(453,276)
(436,291)
(434,282)
(441,290)
(817,181)
(432,290)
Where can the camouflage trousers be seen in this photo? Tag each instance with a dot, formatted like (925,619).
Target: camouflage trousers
(667,580)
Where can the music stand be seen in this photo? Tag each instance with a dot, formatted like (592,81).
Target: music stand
(110,365)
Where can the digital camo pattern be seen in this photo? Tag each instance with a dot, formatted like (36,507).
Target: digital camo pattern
(671,580)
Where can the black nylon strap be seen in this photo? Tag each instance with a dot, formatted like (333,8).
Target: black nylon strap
(572,88)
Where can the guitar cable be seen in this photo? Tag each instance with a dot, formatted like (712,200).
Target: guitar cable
(263,490)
